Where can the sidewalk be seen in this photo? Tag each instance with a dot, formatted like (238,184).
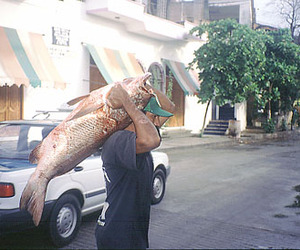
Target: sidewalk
(184,139)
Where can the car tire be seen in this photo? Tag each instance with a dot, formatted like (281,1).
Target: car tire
(158,186)
(64,220)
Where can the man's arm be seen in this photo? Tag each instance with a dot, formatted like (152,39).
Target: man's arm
(147,137)
(165,102)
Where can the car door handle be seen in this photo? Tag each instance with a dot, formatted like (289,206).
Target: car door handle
(78,169)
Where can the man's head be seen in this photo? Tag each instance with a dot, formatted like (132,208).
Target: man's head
(154,111)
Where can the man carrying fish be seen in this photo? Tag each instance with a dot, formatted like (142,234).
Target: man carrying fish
(98,117)
(128,170)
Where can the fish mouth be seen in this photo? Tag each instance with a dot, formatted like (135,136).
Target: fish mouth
(145,82)
(145,77)
(140,82)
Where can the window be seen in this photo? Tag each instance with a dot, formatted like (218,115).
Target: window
(153,7)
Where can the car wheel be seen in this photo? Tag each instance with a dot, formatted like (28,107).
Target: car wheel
(65,220)
(158,186)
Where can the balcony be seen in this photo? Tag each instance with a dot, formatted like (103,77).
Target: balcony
(133,16)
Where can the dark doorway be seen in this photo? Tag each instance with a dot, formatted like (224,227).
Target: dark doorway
(226,112)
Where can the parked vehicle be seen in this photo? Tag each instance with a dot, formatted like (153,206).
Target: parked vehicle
(69,197)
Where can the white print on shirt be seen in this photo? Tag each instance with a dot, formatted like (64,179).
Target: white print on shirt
(106,175)
(101,219)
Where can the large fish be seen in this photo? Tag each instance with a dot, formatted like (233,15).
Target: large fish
(77,137)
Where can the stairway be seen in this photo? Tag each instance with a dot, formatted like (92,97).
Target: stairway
(216,127)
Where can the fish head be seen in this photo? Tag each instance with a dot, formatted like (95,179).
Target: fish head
(137,89)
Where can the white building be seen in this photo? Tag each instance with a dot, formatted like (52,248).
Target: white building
(58,50)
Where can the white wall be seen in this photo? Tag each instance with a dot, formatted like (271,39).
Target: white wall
(245,13)
(194,114)
(39,17)
(73,62)
(240,110)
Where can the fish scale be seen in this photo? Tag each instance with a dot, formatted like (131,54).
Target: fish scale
(87,133)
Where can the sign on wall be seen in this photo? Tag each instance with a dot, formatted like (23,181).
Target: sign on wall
(60,36)
(60,42)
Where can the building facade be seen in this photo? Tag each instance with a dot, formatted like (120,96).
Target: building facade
(53,51)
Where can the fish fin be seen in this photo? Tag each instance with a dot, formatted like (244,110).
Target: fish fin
(34,156)
(86,111)
(33,198)
(77,99)
(128,80)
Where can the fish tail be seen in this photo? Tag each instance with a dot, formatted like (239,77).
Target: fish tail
(33,198)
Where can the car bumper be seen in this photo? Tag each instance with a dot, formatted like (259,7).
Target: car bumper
(14,220)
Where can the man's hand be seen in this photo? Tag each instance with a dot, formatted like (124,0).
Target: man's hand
(146,134)
(117,97)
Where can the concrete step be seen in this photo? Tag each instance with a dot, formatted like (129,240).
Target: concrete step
(219,122)
(220,126)
(213,132)
(216,127)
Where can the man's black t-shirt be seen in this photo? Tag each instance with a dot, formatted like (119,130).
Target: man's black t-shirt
(124,221)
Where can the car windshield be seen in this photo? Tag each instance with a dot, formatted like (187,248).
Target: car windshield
(18,140)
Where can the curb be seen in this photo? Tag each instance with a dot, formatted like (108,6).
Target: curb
(206,144)
(191,141)
(267,137)
(169,144)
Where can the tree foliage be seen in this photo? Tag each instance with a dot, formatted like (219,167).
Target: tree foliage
(279,81)
(229,63)
(238,62)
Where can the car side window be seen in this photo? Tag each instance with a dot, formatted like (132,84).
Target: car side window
(34,137)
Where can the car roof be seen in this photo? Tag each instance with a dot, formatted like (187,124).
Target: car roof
(48,122)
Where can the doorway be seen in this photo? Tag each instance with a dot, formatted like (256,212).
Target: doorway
(226,112)
(178,99)
(11,102)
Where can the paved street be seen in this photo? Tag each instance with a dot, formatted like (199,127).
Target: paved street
(218,196)
(227,197)
(230,197)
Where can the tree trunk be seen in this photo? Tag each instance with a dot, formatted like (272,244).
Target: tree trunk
(202,130)
(269,111)
(269,102)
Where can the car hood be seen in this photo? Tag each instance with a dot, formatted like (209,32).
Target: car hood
(8,165)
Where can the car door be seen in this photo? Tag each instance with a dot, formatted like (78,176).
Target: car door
(89,175)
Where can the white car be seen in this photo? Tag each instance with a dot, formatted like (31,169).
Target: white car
(70,196)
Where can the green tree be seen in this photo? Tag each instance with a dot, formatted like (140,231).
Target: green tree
(279,81)
(229,63)
(288,57)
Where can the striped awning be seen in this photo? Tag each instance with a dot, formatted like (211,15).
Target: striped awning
(24,59)
(187,80)
(115,65)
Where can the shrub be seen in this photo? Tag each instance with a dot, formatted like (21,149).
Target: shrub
(283,125)
(269,126)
